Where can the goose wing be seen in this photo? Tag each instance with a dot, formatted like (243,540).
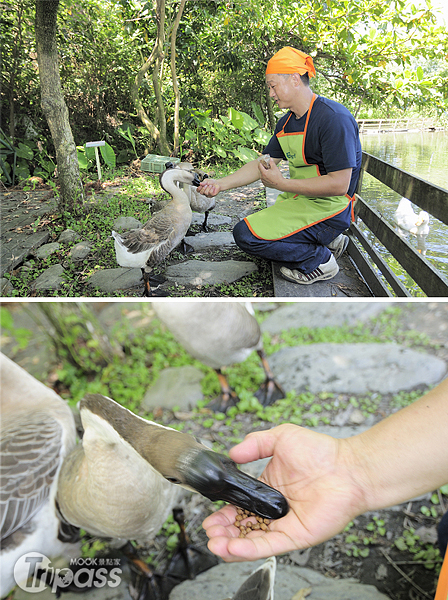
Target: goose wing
(161,233)
(29,462)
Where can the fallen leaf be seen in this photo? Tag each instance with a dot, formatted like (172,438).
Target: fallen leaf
(302,593)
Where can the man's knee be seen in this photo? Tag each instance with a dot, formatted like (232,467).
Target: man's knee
(242,235)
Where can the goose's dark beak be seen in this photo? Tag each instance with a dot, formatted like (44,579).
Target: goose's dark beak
(217,477)
(196,181)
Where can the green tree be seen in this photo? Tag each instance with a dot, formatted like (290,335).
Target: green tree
(54,107)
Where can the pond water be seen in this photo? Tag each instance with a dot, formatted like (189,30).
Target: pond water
(423,154)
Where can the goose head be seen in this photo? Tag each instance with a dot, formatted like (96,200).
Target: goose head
(171,176)
(182,460)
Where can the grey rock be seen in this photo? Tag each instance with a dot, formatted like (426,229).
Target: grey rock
(355,368)
(321,314)
(47,250)
(196,272)
(80,251)
(427,535)
(224,580)
(68,236)
(6,287)
(176,386)
(214,219)
(110,280)
(356,418)
(214,239)
(50,279)
(126,223)
(300,557)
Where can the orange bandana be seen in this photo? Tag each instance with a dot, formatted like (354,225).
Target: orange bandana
(290,60)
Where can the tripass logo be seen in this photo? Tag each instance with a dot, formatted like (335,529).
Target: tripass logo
(33,572)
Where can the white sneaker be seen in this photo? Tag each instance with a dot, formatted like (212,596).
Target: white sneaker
(338,245)
(324,271)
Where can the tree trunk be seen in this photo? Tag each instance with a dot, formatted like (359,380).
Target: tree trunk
(174,76)
(156,75)
(270,107)
(54,107)
(141,112)
(77,335)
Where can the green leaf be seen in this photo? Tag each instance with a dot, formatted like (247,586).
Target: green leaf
(108,155)
(261,136)
(258,113)
(245,154)
(24,151)
(444,489)
(236,117)
(220,151)
(90,152)
(420,73)
(83,161)
(401,544)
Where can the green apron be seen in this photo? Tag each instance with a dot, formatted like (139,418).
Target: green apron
(293,212)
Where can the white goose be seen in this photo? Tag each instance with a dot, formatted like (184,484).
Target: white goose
(407,220)
(164,231)
(219,334)
(117,483)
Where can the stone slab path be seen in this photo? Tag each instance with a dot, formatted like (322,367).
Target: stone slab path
(20,215)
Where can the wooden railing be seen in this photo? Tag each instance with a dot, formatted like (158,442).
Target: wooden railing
(383,125)
(428,197)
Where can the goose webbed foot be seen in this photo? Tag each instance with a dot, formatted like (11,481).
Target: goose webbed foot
(226,398)
(147,585)
(185,248)
(149,281)
(270,390)
(188,560)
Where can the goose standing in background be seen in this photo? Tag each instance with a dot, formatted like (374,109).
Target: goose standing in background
(117,483)
(220,334)
(151,244)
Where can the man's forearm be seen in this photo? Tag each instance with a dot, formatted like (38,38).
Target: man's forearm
(406,454)
(333,184)
(247,174)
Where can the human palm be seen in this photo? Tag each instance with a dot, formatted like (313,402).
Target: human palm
(313,473)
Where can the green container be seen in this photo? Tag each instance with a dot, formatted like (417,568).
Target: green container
(156,164)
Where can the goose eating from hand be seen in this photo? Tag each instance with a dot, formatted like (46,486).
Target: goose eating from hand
(220,334)
(198,202)
(151,244)
(116,483)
